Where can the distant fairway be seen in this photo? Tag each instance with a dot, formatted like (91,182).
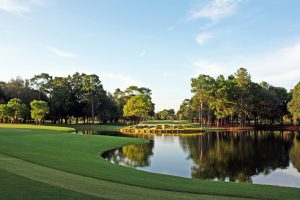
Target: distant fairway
(47,162)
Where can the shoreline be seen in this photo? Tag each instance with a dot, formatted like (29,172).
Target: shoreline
(264,127)
(203,130)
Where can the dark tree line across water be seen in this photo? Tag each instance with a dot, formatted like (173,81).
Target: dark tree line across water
(232,101)
(238,101)
(75,98)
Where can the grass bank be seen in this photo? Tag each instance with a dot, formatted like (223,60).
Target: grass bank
(78,155)
(85,127)
(36,127)
(86,187)
(15,187)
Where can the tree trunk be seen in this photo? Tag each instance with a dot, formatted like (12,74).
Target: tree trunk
(241,112)
(93,114)
(201,113)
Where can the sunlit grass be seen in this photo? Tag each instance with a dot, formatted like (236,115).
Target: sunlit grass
(37,127)
(80,154)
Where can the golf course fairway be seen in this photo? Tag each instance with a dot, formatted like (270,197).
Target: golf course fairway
(49,162)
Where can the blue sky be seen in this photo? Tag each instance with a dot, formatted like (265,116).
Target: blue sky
(156,44)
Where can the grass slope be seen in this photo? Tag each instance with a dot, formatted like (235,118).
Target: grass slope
(79,154)
(90,186)
(36,127)
(83,127)
(14,187)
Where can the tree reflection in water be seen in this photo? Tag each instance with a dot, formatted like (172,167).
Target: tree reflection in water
(295,152)
(137,155)
(228,156)
(236,156)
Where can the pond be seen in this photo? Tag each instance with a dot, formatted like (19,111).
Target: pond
(261,157)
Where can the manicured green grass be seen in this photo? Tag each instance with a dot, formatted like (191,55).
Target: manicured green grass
(86,185)
(166,122)
(37,127)
(85,127)
(14,187)
(79,154)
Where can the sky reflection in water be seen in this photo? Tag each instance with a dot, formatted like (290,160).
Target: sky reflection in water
(257,157)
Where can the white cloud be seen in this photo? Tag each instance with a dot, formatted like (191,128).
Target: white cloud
(206,26)
(209,68)
(171,28)
(282,66)
(168,74)
(216,10)
(122,79)
(19,7)
(60,52)
(38,2)
(142,53)
(110,81)
(14,7)
(203,37)
(288,78)
(279,67)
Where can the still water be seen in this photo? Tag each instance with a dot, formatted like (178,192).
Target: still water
(262,157)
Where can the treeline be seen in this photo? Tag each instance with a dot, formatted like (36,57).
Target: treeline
(166,114)
(81,98)
(238,101)
(15,109)
(76,98)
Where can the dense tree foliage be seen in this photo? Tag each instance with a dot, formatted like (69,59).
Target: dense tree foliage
(166,114)
(138,107)
(222,101)
(4,112)
(39,109)
(121,98)
(74,98)
(294,104)
(234,101)
(14,111)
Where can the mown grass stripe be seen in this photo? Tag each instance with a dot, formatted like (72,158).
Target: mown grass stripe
(90,186)
(15,187)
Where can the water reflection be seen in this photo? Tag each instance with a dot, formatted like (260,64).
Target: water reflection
(294,153)
(111,133)
(133,155)
(237,157)
(246,156)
